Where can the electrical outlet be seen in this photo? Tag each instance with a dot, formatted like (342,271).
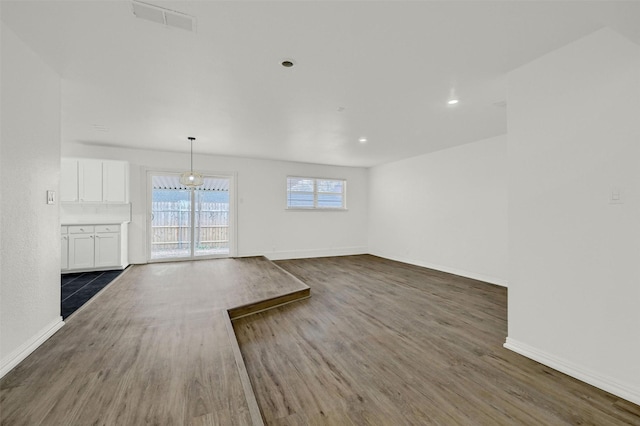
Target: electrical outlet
(51,197)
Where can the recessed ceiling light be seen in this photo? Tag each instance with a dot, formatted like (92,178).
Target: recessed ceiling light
(287,63)
(362,140)
(453,101)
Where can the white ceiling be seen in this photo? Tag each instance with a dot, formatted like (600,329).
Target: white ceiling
(383,70)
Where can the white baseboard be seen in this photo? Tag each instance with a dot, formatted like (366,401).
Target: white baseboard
(473,275)
(567,367)
(304,254)
(17,356)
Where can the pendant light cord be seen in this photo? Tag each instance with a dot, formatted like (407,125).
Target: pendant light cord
(191,139)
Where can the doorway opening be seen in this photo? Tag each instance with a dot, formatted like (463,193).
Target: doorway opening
(189,223)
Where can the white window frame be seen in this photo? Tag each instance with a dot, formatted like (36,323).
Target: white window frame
(315,195)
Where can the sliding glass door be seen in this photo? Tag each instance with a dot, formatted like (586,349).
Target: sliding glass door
(211,228)
(188,223)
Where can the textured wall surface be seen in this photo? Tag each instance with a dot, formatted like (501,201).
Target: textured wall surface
(30,229)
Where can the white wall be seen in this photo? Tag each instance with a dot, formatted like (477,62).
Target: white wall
(445,210)
(30,229)
(264,226)
(574,260)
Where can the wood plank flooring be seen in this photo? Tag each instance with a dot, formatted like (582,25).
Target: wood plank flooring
(385,343)
(380,343)
(152,348)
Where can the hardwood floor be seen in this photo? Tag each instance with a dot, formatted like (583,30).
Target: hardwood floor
(385,343)
(380,343)
(155,347)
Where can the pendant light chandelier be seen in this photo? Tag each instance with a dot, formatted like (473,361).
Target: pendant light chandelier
(191,178)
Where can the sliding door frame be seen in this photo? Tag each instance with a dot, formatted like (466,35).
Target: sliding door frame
(233,214)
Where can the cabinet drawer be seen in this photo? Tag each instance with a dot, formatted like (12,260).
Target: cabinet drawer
(64,230)
(83,229)
(107,228)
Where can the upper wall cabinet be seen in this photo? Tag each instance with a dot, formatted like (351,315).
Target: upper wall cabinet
(69,180)
(94,181)
(90,181)
(115,181)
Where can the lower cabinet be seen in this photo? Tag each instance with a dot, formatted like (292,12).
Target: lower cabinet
(107,248)
(93,247)
(81,247)
(64,248)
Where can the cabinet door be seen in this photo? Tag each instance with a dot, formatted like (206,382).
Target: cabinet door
(114,181)
(90,180)
(64,252)
(68,180)
(107,249)
(81,251)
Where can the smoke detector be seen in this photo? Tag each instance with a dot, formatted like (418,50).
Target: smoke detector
(166,17)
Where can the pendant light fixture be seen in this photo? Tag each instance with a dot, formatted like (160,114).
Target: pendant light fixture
(191,178)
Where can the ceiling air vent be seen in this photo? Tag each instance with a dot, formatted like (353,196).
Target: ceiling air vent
(159,15)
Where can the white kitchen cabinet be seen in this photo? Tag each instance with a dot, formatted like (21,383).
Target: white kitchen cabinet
(64,248)
(81,247)
(69,180)
(90,181)
(107,246)
(95,247)
(114,181)
(94,181)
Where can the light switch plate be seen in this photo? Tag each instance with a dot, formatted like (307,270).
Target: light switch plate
(51,197)
(616,196)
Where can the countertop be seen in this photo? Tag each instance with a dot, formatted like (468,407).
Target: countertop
(93,222)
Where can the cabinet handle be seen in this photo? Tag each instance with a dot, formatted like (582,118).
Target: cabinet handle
(92,236)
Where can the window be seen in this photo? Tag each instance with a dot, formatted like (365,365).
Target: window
(315,193)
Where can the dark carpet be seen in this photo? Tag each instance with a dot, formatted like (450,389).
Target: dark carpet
(78,288)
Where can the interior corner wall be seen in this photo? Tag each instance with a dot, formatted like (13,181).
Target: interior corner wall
(574,211)
(264,226)
(30,228)
(446,210)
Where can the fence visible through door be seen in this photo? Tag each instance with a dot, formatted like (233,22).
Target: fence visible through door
(180,216)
